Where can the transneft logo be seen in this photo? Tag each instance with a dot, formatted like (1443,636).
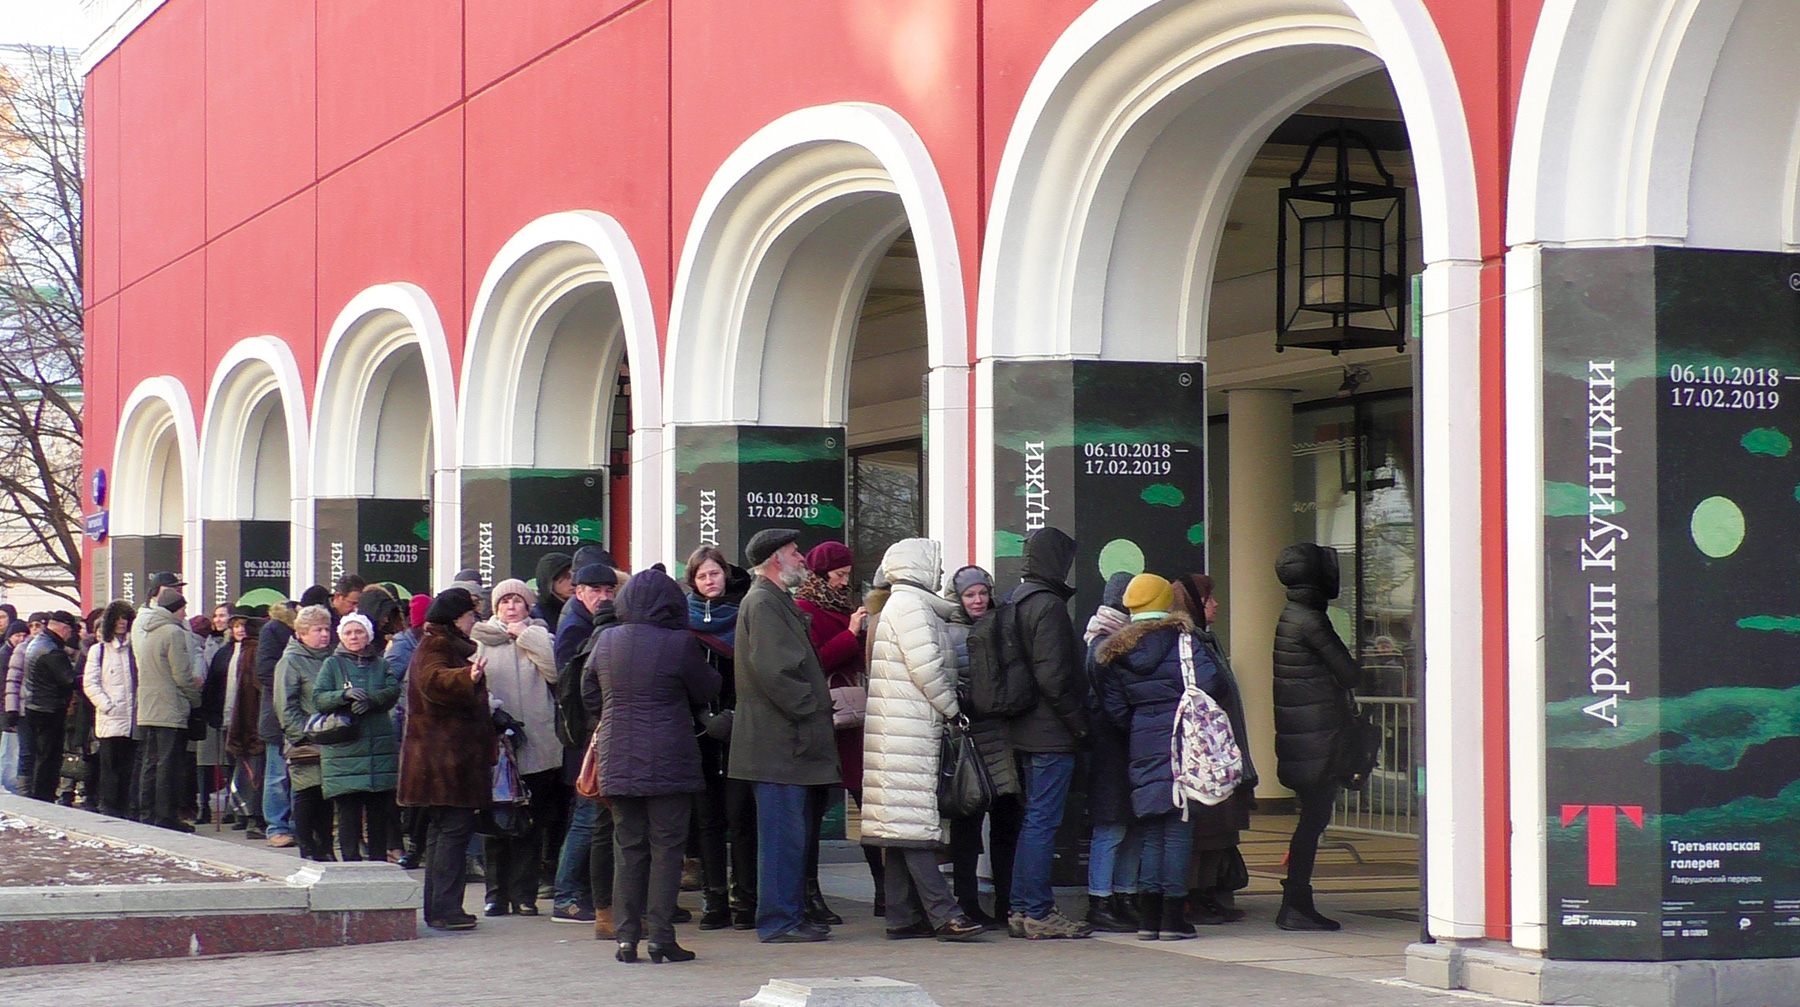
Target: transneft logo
(1603,837)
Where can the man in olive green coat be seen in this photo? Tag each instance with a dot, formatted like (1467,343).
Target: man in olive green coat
(782,738)
(167,692)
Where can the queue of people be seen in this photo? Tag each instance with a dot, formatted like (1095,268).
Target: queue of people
(594,732)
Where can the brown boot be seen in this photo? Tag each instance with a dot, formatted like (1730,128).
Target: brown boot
(603,924)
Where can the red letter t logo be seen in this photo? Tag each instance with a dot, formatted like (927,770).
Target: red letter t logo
(1603,836)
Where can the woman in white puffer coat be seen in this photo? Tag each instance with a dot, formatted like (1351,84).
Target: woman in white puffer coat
(912,693)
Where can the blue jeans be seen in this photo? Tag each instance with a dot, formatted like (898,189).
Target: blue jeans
(1113,860)
(572,883)
(781,829)
(278,797)
(1167,843)
(1045,776)
(9,762)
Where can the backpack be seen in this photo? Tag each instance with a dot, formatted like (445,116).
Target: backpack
(1202,751)
(571,711)
(1000,682)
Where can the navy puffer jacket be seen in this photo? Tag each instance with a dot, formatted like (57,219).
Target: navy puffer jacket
(1314,671)
(1142,688)
(644,679)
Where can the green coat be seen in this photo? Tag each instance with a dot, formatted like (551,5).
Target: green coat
(294,676)
(371,763)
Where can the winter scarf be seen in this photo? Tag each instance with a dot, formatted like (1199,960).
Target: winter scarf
(819,591)
(713,617)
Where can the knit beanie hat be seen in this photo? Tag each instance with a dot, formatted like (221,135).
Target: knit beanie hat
(513,585)
(1148,597)
(416,617)
(968,577)
(169,599)
(450,605)
(828,556)
(357,619)
(1113,596)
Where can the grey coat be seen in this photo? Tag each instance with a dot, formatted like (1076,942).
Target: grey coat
(167,690)
(782,732)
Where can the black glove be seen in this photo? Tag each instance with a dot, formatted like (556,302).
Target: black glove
(717,725)
(361,706)
(356,694)
(10,720)
(510,726)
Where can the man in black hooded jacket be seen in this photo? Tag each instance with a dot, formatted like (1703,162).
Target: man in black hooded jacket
(1314,674)
(1046,738)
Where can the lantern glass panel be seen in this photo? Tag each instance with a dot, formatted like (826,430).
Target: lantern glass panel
(1341,263)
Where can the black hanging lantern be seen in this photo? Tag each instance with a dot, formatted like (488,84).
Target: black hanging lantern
(1351,241)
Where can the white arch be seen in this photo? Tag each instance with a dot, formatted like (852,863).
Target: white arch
(540,268)
(249,373)
(1659,122)
(376,324)
(156,409)
(1109,204)
(780,251)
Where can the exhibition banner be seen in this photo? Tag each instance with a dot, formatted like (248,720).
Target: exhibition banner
(378,539)
(1111,452)
(732,482)
(241,557)
(136,557)
(513,517)
(1671,391)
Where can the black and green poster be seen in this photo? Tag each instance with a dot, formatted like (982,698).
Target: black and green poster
(377,539)
(732,482)
(136,557)
(246,560)
(513,517)
(1671,390)
(1114,454)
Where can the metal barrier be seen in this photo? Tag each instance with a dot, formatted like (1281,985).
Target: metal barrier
(1389,804)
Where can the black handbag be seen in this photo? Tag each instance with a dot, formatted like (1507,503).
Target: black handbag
(964,787)
(1358,749)
(331,728)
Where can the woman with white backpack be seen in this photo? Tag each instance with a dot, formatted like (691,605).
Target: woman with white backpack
(1149,663)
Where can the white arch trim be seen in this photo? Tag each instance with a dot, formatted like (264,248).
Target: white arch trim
(397,315)
(605,240)
(605,245)
(1400,33)
(249,371)
(1106,75)
(907,165)
(157,405)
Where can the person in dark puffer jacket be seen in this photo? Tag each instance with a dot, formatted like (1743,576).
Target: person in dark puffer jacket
(1314,674)
(361,774)
(1048,736)
(645,677)
(277,794)
(972,588)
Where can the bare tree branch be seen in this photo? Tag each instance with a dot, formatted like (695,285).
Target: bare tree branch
(41,342)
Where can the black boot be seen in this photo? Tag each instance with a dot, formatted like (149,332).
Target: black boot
(1150,914)
(1103,916)
(743,909)
(1205,909)
(816,910)
(715,911)
(1175,926)
(880,900)
(1124,906)
(1297,912)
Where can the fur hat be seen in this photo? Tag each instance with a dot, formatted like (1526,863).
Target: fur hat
(450,605)
(1149,597)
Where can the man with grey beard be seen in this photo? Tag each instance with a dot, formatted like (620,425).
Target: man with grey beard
(782,739)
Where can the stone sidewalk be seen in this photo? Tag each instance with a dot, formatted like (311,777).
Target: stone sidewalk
(536,962)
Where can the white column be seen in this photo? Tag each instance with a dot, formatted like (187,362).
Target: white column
(446,526)
(1449,401)
(1261,502)
(1525,595)
(947,453)
(652,517)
